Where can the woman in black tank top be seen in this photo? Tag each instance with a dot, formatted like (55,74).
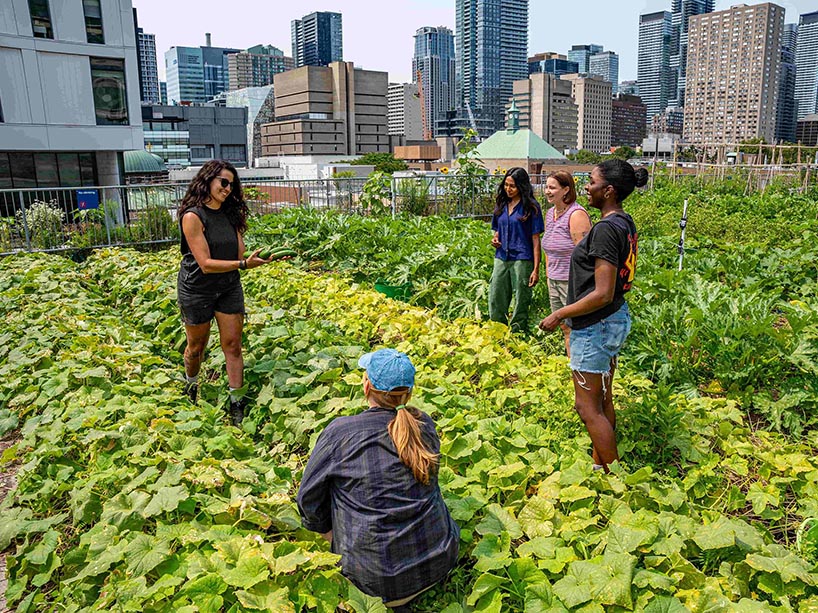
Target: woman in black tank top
(213,219)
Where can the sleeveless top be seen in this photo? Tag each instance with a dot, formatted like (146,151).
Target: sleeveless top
(223,242)
(557,243)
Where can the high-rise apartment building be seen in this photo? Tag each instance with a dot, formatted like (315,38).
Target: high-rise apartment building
(787,117)
(197,74)
(806,62)
(606,65)
(628,121)
(491,45)
(629,87)
(317,39)
(592,95)
(546,107)
(551,63)
(328,110)
(733,60)
(681,12)
(149,73)
(256,66)
(69,95)
(653,63)
(581,54)
(434,64)
(403,115)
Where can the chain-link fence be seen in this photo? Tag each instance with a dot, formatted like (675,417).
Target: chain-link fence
(60,219)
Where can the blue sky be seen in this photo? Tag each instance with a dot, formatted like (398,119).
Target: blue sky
(380,38)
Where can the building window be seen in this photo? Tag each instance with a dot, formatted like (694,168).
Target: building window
(40,18)
(110,99)
(93,21)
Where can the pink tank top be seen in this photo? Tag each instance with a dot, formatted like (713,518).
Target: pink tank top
(557,243)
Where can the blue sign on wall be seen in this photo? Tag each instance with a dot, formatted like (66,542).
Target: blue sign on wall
(87,199)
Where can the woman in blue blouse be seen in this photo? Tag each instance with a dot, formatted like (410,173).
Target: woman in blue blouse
(517,225)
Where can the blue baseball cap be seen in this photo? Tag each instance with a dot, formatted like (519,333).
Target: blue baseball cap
(388,369)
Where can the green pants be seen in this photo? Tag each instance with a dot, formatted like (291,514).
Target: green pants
(507,278)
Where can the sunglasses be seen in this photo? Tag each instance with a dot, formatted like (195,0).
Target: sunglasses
(225,183)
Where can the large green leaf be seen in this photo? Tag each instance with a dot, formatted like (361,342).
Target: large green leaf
(535,518)
(205,592)
(363,603)
(498,520)
(144,553)
(266,597)
(166,499)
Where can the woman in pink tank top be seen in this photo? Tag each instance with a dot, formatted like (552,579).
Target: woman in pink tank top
(563,230)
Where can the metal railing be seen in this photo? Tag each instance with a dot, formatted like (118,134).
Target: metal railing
(64,219)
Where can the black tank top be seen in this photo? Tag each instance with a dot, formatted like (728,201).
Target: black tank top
(223,242)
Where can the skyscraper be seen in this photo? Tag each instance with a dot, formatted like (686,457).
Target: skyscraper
(317,39)
(492,43)
(256,66)
(551,63)
(787,120)
(733,60)
(606,65)
(581,54)
(149,75)
(547,108)
(653,64)
(196,74)
(434,60)
(682,11)
(806,62)
(592,95)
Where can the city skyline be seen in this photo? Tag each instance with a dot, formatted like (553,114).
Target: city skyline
(388,44)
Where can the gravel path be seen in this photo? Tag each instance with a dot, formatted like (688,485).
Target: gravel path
(7,482)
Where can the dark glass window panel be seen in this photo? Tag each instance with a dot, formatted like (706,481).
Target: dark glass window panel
(93,21)
(69,169)
(46,166)
(88,175)
(40,18)
(23,174)
(5,172)
(110,98)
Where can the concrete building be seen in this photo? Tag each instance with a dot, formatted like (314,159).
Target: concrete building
(733,60)
(256,66)
(328,110)
(546,107)
(196,74)
(606,65)
(434,63)
(581,54)
(681,12)
(191,135)
(69,93)
(653,62)
(403,111)
(669,121)
(551,63)
(592,95)
(787,114)
(807,131)
(628,121)
(806,62)
(491,55)
(317,39)
(148,71)
(260,105)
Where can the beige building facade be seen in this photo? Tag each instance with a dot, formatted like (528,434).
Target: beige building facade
(733,59)
(328,110)
(592,95)
(547,108)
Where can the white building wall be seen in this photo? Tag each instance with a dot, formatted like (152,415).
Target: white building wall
(68,21)
(66,83)
(14,91)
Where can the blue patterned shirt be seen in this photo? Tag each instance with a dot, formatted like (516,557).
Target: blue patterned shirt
(516,235)
(394,535)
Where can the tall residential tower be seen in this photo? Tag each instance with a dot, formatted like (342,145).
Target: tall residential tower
(653,67)
(806,62)
(434,64)
(317,39)
(682,11)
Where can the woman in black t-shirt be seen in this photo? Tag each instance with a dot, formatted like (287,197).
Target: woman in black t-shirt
(602,269)
(213,217)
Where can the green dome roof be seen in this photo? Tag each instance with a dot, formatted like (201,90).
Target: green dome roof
(517,145)
(139,162)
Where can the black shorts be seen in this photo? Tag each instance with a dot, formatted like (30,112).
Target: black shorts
(201,308)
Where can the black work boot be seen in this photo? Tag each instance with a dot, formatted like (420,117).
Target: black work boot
(192,391)
(236,411)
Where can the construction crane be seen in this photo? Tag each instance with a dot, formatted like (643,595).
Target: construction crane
(427,131)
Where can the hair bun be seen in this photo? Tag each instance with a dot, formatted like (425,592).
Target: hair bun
(641,177)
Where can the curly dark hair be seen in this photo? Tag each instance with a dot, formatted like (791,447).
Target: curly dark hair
(523,182)
(198,192)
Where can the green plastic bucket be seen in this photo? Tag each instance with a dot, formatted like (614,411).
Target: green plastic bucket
(398,292)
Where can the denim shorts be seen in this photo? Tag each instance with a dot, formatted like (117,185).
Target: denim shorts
(594,348)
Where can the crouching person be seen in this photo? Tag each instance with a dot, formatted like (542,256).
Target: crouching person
(370,488)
